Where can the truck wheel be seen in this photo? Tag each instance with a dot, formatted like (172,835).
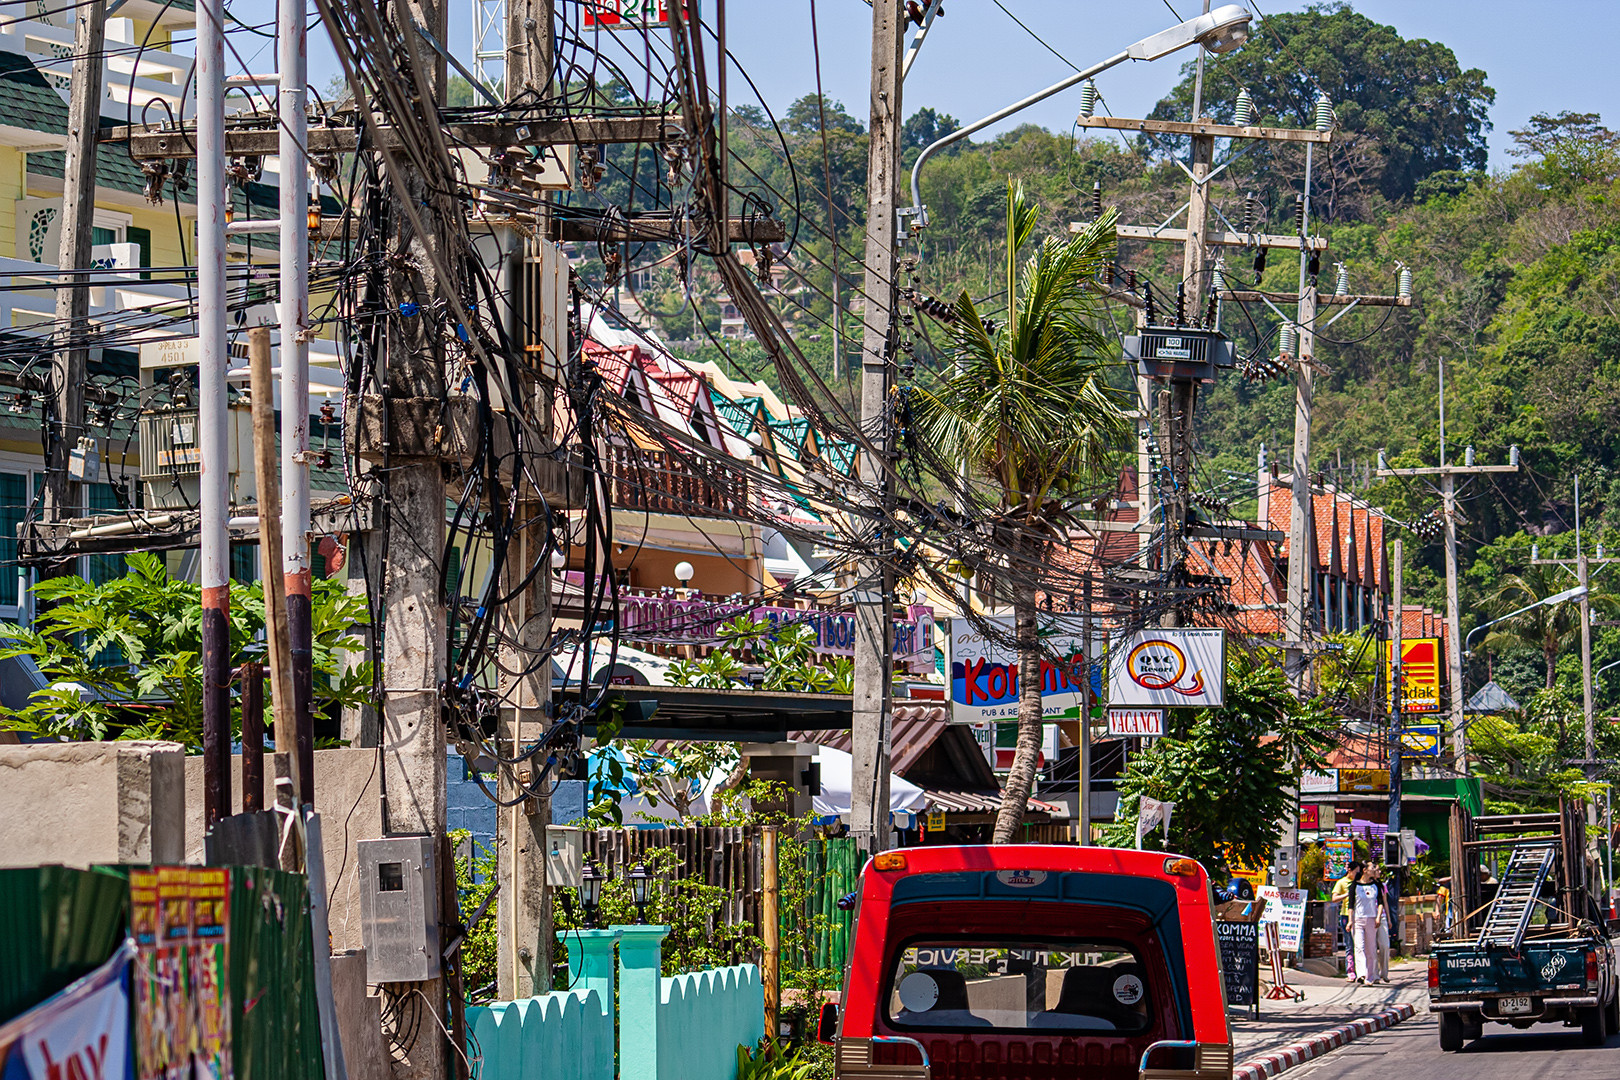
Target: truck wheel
(1594,1025)
(1473,1026)
(1451,1032)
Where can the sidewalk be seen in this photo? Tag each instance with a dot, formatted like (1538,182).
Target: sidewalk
(1328,1003)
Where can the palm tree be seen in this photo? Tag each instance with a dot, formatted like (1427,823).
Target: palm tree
(1028,411)
(1551,628)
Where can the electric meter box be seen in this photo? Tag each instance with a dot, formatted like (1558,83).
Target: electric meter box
(399,909)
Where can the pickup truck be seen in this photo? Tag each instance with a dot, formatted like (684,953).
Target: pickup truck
(1532,947)
(1033,961)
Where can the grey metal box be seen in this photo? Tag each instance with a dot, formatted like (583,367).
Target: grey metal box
(399,909)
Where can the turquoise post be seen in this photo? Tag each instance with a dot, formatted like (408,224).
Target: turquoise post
(640,949)
(590,962)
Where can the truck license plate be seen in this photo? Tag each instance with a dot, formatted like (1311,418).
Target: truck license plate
(1514,1006)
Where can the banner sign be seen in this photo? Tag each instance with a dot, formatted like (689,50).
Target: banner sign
(1319,783)
(179,917)
(1420,674)
(1150,813)
(1309,817)
(1171,667)
(984,671)
(1136,722)
(1286,908)
(666,619)
(1421,740)
(81,1033)
(1339,853)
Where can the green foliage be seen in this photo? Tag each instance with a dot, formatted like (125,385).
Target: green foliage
(771,1061)
(1312,866)
(1230,774)
(476,879)
(1524,759)
(787,655)
(123,658)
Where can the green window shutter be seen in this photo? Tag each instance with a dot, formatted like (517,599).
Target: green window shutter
(13,506)
(142,238)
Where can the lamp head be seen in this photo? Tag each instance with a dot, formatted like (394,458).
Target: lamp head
(1229,28)
(684,572)
(640,879)
(590,889)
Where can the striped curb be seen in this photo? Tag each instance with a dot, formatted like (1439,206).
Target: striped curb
(1271,1064)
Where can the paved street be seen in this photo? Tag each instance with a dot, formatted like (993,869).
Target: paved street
(1328,1003)
(1411,1051)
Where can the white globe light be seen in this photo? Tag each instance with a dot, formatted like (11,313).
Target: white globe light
(684,572)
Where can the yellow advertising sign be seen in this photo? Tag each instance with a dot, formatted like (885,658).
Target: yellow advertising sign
(1420,674)
(1362,780)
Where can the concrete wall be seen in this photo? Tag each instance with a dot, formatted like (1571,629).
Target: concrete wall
(81,803)
(346,795)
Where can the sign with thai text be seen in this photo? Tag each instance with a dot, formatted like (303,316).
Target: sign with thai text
(984,670)
(1169,667)
(1136,722)
(1421,740)
(1420,674)
(625,14)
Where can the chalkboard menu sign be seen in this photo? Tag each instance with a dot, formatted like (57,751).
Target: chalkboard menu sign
(1239,943)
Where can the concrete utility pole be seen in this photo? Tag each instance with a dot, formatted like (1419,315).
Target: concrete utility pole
(1447,474)
(523,905)
(1584,577)
(293,65)
(415,629)
(213,413)
(1397,571)
(1302,512)
(874,591)
(69,368)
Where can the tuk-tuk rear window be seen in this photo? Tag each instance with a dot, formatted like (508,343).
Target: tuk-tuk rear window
(998,983)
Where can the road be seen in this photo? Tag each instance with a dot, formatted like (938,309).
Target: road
(1411,1051)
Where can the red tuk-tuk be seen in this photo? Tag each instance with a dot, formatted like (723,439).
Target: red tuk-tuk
(1032,962)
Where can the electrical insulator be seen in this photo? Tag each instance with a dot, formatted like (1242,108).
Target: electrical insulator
(1299,214)
(1217,277)
(1259,262)
(1513,455)
(1148,306)
(1383,462)
(1324,113)
(1535,552)
(1251,208)
(1468,456)
(1313,265)
(1130,280)
(1288,339)
(1211,310)
(1088,98)
(1404,289)
(1181,303)
(1243,111)
(1341,287)
(1096,200)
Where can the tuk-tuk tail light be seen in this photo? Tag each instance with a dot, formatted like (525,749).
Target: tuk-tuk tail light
(889,860)
(1181,867)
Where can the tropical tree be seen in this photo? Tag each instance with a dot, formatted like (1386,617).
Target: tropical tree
(1549,628)
(1028,410)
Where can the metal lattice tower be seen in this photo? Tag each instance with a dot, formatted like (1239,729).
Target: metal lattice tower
(489,40)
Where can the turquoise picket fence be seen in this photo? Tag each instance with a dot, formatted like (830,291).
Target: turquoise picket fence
(561,1036)
(704,1016)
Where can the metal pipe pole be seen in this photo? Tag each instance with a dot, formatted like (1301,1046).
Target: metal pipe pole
(213,412)
(293,61)
(1454,672)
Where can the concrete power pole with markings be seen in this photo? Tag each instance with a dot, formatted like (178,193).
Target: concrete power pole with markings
(69,369)
(871,723)
(1447,474)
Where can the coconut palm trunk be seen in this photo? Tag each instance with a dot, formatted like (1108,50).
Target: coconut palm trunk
(1031,718)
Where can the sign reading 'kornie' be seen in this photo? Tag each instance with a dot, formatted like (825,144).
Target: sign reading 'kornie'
(1136,722)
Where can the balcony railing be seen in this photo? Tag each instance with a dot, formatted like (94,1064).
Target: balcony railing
(661,482)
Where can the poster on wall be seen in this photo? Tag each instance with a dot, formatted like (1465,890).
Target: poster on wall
(1180,667)
(1339,853)
(1420,674)
(984,670)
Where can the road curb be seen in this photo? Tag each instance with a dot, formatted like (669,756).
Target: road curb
(1297,1054)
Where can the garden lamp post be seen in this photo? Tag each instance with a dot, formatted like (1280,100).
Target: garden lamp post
(590,891)
(640,879)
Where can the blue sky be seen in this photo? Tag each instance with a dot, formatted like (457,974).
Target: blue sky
(1561,55)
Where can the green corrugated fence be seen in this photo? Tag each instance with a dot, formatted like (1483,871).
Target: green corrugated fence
(56,925)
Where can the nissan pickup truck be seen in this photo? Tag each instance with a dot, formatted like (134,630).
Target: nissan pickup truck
(1532,947)
(1032,961)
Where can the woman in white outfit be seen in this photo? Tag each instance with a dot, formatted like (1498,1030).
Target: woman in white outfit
(1366,912)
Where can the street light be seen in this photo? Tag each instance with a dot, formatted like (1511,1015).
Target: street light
(640,878)
(1219,31)
(1556,598)
(590,891)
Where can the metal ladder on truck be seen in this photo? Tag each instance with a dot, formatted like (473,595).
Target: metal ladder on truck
(1509,915)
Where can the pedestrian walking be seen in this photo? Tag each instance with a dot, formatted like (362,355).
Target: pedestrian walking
(1366,912)
(1341,901)
(1385,924)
